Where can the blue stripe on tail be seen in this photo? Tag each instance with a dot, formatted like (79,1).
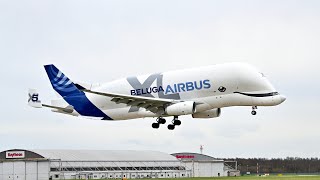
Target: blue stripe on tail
(71,94)
(85,107)
(61,83)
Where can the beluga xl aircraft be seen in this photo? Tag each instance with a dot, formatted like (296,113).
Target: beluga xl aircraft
(199,92)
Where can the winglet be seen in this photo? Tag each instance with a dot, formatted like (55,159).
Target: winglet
(34,100)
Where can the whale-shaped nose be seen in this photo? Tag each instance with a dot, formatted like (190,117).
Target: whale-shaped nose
(282,98)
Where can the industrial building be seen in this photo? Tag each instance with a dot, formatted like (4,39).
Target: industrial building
(23,164)
(206,166)
(81,164)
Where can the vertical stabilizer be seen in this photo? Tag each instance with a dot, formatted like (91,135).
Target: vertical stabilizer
(61,83)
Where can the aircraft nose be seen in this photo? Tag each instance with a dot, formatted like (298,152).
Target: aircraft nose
(282,98)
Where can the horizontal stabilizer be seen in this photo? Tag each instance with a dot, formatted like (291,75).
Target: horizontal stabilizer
(34,101)
(68,109)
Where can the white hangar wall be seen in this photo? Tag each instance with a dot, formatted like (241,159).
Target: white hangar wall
(24,170)
(67,164)
(96,164)
(202,165)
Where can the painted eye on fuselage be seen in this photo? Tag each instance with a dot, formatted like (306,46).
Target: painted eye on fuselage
(222,89)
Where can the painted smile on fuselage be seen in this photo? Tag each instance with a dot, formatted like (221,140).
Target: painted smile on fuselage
(259,95)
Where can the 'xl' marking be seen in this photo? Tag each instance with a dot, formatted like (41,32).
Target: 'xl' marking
(135,83)
(33,98)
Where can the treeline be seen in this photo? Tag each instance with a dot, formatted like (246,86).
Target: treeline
(287,165)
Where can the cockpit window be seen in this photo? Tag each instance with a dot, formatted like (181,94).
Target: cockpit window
(262,74)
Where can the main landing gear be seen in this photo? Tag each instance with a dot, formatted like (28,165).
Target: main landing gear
(161,120)
(175,122)
(254,112)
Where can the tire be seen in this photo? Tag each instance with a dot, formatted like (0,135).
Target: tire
(177,122)
(171,127)
(162,120)
(155,125)
(253,112)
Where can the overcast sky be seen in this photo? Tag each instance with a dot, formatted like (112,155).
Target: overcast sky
(100,41)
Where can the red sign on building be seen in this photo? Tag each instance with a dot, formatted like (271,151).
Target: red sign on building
(15,154)
(185,156)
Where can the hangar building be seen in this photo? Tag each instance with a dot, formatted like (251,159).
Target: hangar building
(206,166)
(23,164)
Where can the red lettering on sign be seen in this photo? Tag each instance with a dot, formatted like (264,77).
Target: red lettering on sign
(15,154)
(184,156)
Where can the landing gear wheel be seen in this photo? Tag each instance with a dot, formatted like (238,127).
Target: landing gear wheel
(171,127)
(162,120)
(155,125)
(177,122)
(254,112)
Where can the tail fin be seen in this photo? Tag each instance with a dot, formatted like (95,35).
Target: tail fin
(61,83)
(34,99)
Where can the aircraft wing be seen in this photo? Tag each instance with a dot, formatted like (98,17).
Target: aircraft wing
(155,105)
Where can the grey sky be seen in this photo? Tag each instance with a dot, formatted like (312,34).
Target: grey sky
(99,41)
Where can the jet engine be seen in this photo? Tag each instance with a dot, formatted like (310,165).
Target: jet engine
(212,113)
(181,108)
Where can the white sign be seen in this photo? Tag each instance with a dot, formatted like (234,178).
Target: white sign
(15,154)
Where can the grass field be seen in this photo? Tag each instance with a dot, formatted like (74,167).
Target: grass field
(271,177)
(295,177)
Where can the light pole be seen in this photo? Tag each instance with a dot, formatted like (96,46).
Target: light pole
(201,149)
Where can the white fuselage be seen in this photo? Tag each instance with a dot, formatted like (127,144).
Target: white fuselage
(218,86)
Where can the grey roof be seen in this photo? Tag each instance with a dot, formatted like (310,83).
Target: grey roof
(187,156)
(105,155)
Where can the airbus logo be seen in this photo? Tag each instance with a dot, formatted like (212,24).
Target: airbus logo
(175,88)
(222,89)
(168,92)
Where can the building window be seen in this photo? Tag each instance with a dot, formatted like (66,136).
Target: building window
(56,176)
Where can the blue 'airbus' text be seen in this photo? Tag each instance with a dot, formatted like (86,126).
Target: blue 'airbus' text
(175,88)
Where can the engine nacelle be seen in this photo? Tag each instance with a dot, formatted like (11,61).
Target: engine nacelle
(212,113)
(181,108)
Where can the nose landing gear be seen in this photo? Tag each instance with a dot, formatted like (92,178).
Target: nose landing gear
(254,112)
